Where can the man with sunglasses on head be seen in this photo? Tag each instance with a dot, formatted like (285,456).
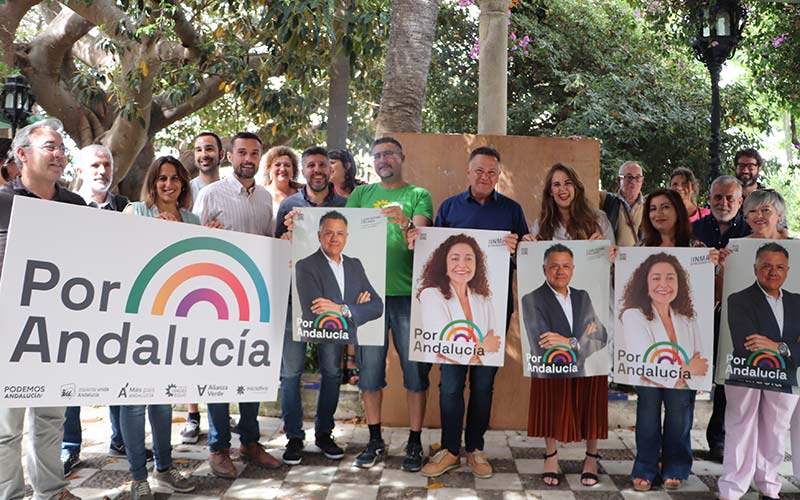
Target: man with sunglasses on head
(405,206)
(40,154)
(625,207)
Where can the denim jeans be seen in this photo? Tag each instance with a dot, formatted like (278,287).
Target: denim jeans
(294,357)
(219,425)
(451,405)
(673,446)
(132,420)
(73,435)
(45,470)
(371,359)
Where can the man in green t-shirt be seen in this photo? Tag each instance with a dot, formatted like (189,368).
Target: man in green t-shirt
(405,206)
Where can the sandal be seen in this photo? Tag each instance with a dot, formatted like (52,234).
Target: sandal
(590,476)
(672,484)
(640,484)
(555,477)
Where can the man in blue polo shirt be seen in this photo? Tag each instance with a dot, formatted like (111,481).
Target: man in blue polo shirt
(479,207)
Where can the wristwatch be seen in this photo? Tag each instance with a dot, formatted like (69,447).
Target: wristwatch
(409,225)
(573,343)
(346,311)
(783,348)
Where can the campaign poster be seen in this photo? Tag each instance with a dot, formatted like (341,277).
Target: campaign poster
(459,297)
(338,290)
(760,318)
(563,291)
(100,307)
(664,333)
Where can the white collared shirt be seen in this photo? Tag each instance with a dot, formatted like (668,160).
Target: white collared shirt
(338,271)
(776,304)
(238,208)
(565,301)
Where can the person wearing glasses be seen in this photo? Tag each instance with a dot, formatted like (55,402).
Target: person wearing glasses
(748,163)
(624,208)
(405,206)
(40,154)
(8,168)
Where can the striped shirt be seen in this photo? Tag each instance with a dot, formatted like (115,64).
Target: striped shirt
(239,209)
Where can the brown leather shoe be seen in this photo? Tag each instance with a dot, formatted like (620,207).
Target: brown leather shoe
(255,453)
(221,464)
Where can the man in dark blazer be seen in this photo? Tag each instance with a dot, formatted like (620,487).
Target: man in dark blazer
(329,281)
(543,312)
(752,319)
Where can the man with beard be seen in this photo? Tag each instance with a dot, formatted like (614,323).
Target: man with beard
(748,166)
(208,154)
(405,206)
(726,221)
(239,204)
(318,192)
(95,167)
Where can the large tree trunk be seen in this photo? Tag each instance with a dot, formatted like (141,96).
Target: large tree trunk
(339,91)
(408,57)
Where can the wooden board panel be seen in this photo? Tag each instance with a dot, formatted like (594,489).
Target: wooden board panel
(438,163)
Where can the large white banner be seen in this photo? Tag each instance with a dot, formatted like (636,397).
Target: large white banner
(759,334)
(664,334)
(355,237)
(99,307)
(460,295)
(563,289)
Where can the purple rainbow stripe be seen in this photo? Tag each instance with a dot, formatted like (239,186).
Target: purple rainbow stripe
(560,357)
(670,359)
(203,295)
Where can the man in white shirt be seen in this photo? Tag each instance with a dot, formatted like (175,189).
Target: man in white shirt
(239,204)
(95,168)
(208,154)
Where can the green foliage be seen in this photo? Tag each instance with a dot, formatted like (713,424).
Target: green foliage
(785,180)
(592,69)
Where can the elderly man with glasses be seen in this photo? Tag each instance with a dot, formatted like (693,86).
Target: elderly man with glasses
(625,208)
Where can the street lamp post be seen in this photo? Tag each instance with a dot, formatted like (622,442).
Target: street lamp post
(17,100)
(718,28)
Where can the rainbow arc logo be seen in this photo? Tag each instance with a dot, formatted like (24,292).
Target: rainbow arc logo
(461,329)
(331,321)
(666,352)
(201,269)
(560,355)
(766,358)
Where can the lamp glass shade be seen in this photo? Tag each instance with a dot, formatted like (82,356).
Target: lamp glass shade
(723,23)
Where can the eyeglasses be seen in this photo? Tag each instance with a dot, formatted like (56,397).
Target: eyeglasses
(50,148)
(385,154)
(631,178)
(749,166)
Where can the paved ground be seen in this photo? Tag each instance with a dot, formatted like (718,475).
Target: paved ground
(517,460)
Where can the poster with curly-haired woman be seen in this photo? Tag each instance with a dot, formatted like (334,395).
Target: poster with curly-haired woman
(458,306)
(664,318)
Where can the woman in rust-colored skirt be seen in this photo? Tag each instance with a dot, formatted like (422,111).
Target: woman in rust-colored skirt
(569,409)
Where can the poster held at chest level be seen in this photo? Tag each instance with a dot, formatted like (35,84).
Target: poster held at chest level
(458,303)
(759,335)
(339,259)
(564,307)
(664,318)
(99,307)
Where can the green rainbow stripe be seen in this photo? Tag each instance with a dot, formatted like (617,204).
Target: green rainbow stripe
(666,348)
(559,353)
(456,326)
(190,245)
(323,319)
(768,355)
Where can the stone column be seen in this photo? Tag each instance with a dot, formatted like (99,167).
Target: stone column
(493,67)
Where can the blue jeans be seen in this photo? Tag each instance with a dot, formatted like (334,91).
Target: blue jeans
(673,446)
(132,420)
(451,405)
(71,442)
(294,357)
(371,359)
(219,425)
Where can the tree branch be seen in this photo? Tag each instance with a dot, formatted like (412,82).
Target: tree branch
(11,13)
(165,114)
(102,13)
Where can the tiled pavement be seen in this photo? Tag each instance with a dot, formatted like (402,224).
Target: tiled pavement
(517,460)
